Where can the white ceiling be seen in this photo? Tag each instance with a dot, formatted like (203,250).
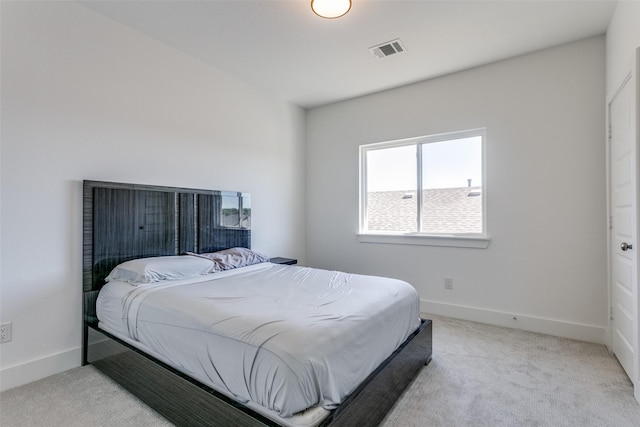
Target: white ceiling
(282,47)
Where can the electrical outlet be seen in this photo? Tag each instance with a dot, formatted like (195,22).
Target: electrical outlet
(5,332)
(448,283)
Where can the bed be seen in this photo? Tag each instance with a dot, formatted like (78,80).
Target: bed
(204,340)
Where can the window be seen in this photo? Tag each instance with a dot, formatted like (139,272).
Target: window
(429,187)
(235,210)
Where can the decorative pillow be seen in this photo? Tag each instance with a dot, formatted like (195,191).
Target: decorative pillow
(233,258)
(154,269)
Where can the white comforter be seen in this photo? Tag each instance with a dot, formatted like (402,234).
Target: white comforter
(287,338)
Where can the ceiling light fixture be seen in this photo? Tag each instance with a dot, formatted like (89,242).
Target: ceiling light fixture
(330,9)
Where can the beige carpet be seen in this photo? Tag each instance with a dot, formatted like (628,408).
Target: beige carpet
(484,375)
(480,376)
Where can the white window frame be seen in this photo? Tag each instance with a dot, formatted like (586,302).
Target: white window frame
(464,240)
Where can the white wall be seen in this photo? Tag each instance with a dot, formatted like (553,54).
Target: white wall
(545,159)
(623,38)
(86,98)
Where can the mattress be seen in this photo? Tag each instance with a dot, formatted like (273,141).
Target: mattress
(284,338)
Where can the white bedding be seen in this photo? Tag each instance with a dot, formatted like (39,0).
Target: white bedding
(283,337)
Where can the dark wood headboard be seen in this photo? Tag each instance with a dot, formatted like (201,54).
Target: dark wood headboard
(127,221)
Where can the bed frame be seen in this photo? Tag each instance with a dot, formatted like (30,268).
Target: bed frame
(127,221)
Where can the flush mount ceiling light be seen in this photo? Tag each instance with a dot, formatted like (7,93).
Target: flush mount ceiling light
(330,8)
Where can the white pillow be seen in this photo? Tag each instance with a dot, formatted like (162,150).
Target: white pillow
(154,269)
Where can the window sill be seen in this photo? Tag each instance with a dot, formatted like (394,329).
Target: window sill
(475,242)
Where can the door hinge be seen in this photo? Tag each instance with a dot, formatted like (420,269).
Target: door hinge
(610,222)
(610,313)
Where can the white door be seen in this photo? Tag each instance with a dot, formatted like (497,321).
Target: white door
(625,245)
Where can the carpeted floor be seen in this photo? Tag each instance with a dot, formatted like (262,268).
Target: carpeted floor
(480,375)
(485,375)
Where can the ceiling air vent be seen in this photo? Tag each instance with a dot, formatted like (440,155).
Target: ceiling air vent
(386,49)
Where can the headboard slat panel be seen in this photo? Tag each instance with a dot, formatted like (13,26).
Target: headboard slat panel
(187,220)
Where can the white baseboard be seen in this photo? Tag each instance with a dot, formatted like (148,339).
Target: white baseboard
(559,328)
(17,375)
